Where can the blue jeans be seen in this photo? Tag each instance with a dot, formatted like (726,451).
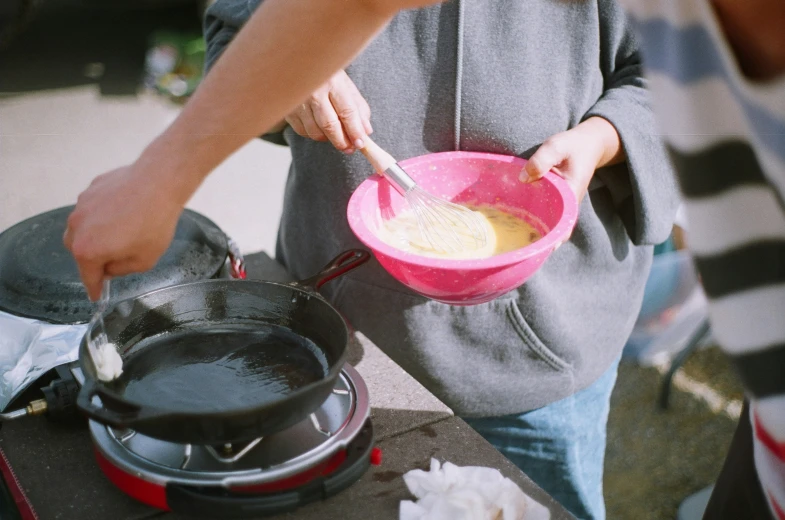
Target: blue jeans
(560,446)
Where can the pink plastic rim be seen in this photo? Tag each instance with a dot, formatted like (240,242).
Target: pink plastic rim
(556,236)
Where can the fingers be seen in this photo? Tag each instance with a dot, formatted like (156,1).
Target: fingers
(91,271)
(128,266)
(303,122)
(348,110)
(365,108)
(548,156)
(68,237)
(326,117)
(566,155)
(311,126)
(336,112)
(91,268)
(296,123)
(122,224)
(92,275)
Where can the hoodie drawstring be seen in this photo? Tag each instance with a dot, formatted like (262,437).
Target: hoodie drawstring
(459,77)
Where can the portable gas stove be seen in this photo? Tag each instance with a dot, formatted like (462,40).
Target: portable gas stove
(315,459)
(312,460)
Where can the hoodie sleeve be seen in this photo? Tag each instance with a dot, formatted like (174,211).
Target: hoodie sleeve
(644,188)
(223,20)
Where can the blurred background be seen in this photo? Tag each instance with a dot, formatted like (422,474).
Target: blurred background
(86,84)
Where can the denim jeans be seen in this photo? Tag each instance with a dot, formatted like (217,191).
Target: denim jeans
(560,446)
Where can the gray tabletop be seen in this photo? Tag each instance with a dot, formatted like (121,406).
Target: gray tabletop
(56,467)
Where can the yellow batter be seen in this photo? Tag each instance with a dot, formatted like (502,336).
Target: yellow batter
(505,232)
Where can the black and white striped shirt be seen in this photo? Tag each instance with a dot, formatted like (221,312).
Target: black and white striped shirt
(726,136)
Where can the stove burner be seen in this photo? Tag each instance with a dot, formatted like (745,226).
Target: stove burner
(317,457)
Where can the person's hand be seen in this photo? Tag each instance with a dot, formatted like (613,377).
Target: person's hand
(336,112)
(576,154)
(122,224)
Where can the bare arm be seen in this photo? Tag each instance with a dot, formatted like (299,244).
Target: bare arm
(259,79)
(126,219)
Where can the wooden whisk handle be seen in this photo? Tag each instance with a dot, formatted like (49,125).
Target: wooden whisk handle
(380,159)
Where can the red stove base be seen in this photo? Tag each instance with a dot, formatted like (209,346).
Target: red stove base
(143,491)
(155,495)
(319,482)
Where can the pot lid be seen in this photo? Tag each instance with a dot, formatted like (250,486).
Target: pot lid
(39,278)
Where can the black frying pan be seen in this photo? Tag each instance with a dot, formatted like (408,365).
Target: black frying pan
(221,361)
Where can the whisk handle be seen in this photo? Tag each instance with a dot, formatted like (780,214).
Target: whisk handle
(386,165)
(380,159)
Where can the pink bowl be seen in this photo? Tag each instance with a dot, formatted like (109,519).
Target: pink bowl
(469,178)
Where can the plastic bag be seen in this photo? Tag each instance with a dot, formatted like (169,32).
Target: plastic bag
(30,348)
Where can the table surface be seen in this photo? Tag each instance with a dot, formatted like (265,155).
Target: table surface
(55,465)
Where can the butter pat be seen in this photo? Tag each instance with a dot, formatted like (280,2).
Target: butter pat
(107,361)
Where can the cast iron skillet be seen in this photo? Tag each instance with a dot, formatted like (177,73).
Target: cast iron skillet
(221,361)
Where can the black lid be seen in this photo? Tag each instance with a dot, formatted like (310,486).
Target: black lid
(39,278)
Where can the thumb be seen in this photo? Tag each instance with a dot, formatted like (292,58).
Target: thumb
(129,266)
(544,159)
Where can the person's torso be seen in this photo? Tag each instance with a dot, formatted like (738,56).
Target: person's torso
(528,70)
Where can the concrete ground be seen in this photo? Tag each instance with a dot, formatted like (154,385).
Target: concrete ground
(59,128)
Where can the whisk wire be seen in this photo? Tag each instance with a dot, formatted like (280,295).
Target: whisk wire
(446,226)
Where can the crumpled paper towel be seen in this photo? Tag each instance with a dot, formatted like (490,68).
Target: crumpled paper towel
(450,492)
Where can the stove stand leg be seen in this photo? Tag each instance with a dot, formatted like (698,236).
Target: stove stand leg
(234,458)
(318,426)
(186,456)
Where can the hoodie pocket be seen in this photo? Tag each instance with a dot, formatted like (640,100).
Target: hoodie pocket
(504,308)
(531,340)
(481,360)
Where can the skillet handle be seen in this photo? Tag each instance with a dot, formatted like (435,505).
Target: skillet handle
(339,265)
(112,412)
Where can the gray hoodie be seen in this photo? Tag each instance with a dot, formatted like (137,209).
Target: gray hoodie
(493,76)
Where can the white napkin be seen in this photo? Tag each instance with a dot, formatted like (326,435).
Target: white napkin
(451,492)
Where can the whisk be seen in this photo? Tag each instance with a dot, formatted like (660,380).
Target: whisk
(447,227)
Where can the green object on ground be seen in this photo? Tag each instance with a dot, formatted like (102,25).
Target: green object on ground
(174,63)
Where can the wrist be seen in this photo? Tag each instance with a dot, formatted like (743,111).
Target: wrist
(168,167)
(605,140)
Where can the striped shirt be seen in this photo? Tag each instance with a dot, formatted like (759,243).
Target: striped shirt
(726,136)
